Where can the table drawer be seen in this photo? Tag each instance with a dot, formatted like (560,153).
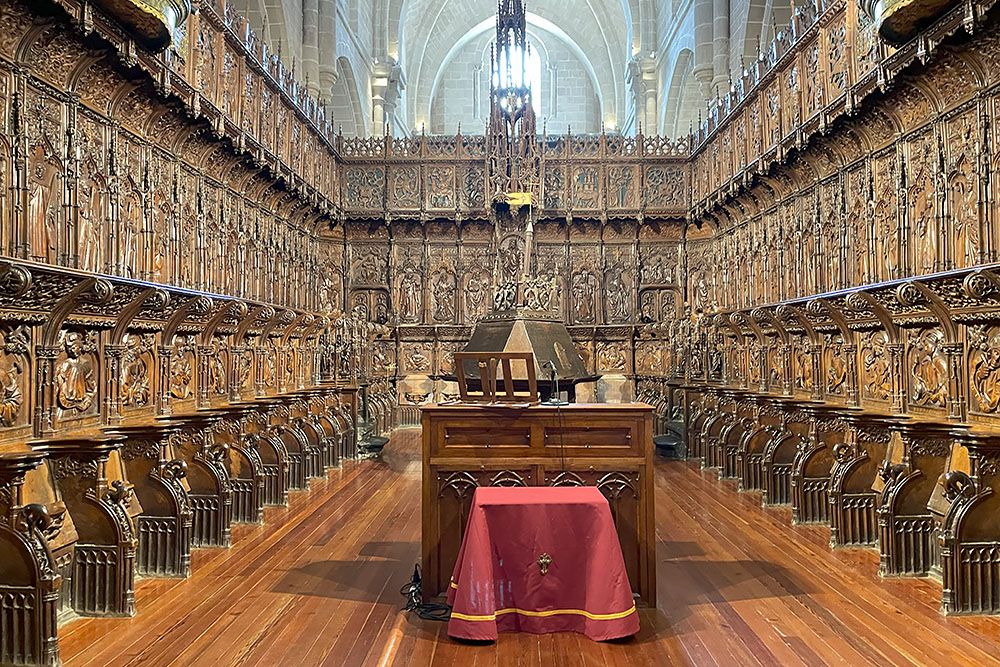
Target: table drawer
(487,437)
(609,438)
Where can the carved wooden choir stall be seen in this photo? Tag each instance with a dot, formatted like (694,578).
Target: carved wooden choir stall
(200,279)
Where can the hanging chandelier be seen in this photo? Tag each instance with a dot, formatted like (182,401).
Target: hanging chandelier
(511,137)
(511,87)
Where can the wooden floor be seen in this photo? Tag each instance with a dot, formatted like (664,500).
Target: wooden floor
(319,585)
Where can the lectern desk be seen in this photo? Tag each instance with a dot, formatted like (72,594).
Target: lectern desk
(609,446)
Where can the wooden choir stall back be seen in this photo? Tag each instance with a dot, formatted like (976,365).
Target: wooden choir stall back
(604,445)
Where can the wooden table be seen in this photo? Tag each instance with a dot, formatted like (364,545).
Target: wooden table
(541,560)
(609,446)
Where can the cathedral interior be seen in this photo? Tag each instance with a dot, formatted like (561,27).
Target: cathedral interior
(242,241)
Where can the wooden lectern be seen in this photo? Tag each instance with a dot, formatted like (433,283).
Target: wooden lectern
(609,446)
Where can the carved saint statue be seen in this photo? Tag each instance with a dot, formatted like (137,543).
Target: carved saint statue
(929,370)
(475,297)
(836,375)
(11,397)
(217,373)
(509,257)
(43,205)
(617,295)
(89,233)
(878,383)
(135,373)
(985,368)
(444,296)
(409,296)
(76,379)
(181,374)
(922,219)
(131,224)
(584,293)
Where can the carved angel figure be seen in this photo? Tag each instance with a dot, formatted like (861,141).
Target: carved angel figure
(76,379)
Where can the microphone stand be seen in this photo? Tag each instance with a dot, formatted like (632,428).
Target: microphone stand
(554,390)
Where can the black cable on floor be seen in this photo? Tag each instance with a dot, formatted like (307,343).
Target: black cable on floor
(429,611)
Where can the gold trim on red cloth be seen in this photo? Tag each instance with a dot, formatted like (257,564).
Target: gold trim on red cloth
(544,613)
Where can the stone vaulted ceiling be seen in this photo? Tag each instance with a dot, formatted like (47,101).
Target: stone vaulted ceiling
(606,33)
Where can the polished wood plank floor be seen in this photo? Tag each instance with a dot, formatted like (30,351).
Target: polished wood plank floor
(319,585)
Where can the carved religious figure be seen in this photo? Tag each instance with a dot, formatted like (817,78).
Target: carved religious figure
(617,294)
(443,290)
(836,369)
(131,224)
(76,377)
(963,203)
(929,369)
(409,295)
(135,378)
(181,375)
(43,205)
(13,346)
(509,254)
(91,198)
(803,367)
(476,297)
(984,362)
(217,372)
(584,295)
(922,217)
(876,367)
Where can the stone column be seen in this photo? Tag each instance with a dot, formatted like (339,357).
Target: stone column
(720,35)
(310,45)
(704,68)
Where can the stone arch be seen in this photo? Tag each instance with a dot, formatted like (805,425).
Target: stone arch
(543,40)
(346,103)
(545,36)
(432,28)
(747,33)
(681,100)
(775,18)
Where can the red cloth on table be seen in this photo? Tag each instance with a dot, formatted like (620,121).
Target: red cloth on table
(497,584)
